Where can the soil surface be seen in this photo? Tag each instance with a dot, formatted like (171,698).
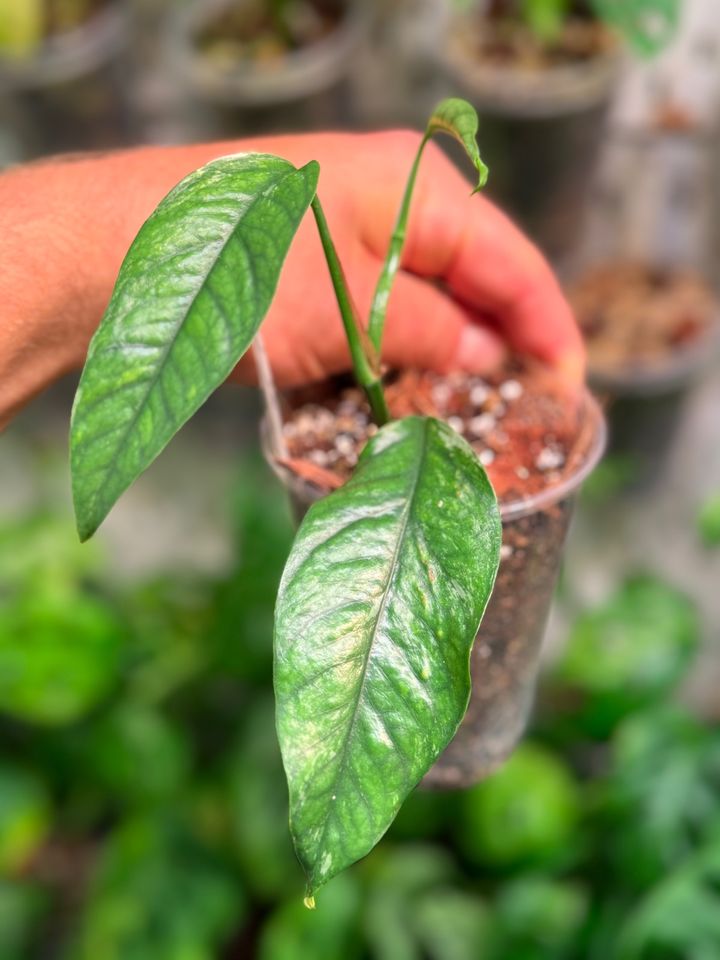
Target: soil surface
(634,315)
(524,431)
(258,32)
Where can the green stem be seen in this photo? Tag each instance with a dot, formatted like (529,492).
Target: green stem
(365,358)
(378,310)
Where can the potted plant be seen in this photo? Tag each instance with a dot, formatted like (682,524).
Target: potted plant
(59,71)
(266,65)
(541,74)
(643,291)
(651,331)
(390,573)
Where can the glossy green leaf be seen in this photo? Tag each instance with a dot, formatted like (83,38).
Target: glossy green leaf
(458,118)
(377,612)
(191,295)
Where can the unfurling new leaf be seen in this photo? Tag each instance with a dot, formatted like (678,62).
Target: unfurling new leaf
(376,615)
(458,119)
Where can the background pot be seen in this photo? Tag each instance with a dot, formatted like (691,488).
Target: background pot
(645,408)
(506,655)
(657,204)
(309,89)
(540,132)
(73,93)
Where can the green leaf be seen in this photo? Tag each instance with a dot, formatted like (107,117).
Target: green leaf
(648,25)
(377,612)
(191,295)
(458,118)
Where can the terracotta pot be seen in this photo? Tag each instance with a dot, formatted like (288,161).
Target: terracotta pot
(308,89)
(540,132)
(506,654)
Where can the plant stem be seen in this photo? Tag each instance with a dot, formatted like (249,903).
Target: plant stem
(378,310)
(365,358)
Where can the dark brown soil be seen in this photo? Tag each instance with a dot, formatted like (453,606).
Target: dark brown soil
(634,315)
(524,431)
(258,31)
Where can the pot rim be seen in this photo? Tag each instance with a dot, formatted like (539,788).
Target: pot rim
(592,429)
(302,72)
(71,54)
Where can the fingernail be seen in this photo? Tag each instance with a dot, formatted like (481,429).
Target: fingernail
(479,350)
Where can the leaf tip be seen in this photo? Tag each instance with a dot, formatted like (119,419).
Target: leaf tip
(309,902)
(85,528)
(312,169)
(482,177)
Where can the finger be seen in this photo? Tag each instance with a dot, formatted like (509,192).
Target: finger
(427,329)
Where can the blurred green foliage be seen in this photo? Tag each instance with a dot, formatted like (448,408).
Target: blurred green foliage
(505,824)
(709,521)
(628,653)
(143,808)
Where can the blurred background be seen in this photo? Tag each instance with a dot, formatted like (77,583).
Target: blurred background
(142,801)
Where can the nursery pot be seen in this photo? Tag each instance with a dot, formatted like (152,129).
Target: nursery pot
(72,94)
(657,206)
(306,89)
(540,132)
(505,657)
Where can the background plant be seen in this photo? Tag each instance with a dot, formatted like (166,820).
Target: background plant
(617,862)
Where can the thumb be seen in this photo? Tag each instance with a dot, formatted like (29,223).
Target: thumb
(427,329)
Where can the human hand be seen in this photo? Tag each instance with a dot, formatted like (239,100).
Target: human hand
(471,287)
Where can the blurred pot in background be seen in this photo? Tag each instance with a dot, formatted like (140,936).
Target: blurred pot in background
(260,66)
(62,86)
(650,316)
(542,89)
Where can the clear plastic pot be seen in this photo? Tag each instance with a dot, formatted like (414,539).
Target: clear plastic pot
(541,132)
(506,655)
(308,89)
(73,94)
